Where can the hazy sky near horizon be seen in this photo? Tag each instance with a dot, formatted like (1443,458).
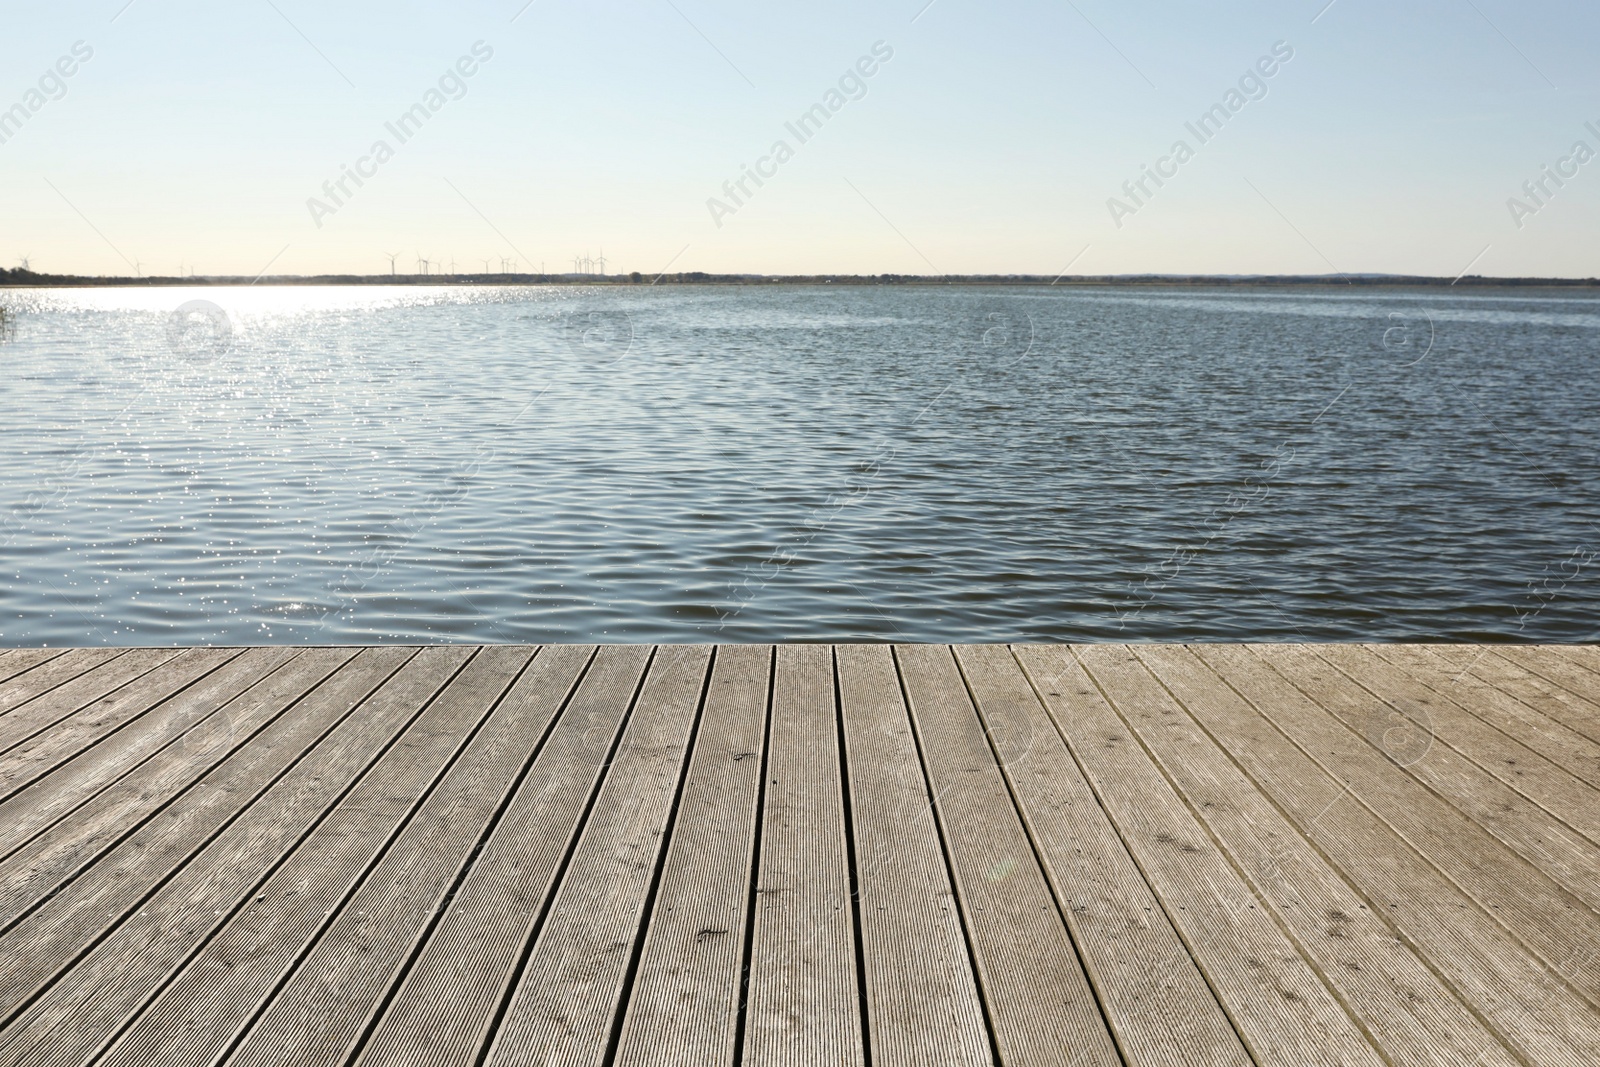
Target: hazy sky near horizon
(991,141)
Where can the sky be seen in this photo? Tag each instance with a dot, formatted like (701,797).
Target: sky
(994,138)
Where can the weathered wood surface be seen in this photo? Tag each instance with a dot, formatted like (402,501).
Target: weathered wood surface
(795,855)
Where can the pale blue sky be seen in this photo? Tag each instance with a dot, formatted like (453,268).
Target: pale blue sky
(990,142)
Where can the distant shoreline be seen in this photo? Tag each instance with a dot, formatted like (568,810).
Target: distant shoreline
(21,279)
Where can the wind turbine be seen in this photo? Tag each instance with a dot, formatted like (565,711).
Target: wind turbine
(602,261)
(138,268)
(452,266)
(486,266)
(392,257)
(422,264)
(24,261)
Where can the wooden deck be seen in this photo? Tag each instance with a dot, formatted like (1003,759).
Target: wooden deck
(917,855)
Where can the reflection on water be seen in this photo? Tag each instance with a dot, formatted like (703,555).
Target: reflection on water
(344,464)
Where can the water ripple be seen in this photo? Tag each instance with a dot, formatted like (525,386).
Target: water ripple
(359,465)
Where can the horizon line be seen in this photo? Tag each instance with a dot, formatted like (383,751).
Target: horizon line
(19,278)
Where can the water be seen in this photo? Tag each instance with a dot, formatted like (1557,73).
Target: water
(356,465)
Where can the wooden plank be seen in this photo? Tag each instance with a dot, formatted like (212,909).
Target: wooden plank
(1281,1006)
(45,751)
(328,998)
(1409,1012)
(1571,751)
(60,698)
(420,819)
(1575,713)
(1448,902)
(1472,916)
(305,888)
(45,862)
(52,672)
(802,1002)
(1570,675)
(686,991)
(63,922)
(446,1007)
(1553,789)
(399,726)
(1526,829)
(1040,1006)
(1586,656)
(1579,660)
(1155,998)
(570,992)
(922,999)
(44,792)
(19,660)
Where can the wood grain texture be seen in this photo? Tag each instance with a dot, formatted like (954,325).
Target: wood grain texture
(321,1009)
(1585,655)
(1041,1007)
(1523,722)
(802,854)
(684,1006)
(1408,1011)
(803,1002)
(1580,715)
(18,660)
(1154,996)
(447,1005)
(65,686)
(451,760)
(45,931)
(158,680)
(1294,1016)
(923,1004)
(570,991)
(71,1019)
(41,864)
(1488,740)
(50,673)
(1399,731)
(54,791)
(1448,887)
(1574,675)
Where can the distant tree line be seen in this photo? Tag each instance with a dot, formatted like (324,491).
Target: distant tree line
(18,276)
